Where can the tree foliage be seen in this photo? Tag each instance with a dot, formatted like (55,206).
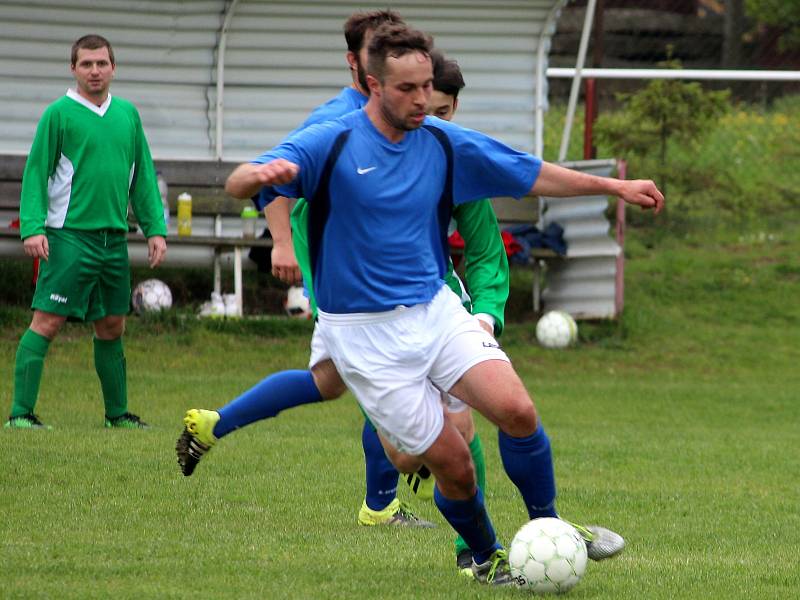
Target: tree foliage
(783,14)
(663,112)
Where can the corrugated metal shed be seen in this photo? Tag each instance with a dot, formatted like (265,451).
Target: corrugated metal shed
(583,284)
(282,59)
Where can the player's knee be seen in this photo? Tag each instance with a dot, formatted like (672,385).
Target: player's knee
(406,463)
(110,328)
(46,324)
(520,418)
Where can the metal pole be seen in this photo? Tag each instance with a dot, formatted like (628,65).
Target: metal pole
(541,58)
(223,40)
(704,74)
(588,121)
(576,80)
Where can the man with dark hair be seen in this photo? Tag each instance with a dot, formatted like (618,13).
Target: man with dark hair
(447,83)
(89,158)
(293,388)
(396,335)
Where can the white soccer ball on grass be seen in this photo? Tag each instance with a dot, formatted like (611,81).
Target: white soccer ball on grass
(547,556)
(556,329)
(297,304)
(151,295)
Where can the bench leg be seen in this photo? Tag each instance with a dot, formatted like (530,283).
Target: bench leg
(536,291)
(237,278)
(217,272)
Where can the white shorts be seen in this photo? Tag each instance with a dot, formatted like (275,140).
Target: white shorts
(318,350)
(319,353)
(453,404)
(397,362)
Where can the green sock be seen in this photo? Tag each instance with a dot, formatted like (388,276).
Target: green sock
(476,449)
(28,369)
(109,362)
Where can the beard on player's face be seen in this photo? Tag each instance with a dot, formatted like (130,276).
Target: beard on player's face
(361,73)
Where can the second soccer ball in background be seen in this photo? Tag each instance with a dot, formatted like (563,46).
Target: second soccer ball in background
(556,329)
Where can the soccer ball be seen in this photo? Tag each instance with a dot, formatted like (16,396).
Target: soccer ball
(296,304)
(556,329)
(151,295)
(547,556)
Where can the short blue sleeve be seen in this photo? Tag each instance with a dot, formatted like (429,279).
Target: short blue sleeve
(484,167)
(308,149)
(345,102)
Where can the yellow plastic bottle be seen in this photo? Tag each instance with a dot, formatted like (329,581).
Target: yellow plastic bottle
(185,214)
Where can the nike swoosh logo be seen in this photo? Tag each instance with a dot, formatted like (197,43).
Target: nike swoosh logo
(361,171)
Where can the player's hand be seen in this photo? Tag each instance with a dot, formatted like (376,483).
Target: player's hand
(642,192)
(284,263)
(37,246)
(277,172)
(156,250)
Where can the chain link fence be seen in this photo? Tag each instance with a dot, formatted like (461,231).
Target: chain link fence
(740,159)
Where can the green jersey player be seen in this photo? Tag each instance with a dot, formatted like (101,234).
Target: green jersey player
(88,160)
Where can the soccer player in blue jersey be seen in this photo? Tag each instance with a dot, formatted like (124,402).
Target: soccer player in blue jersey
(395,334)
(321,382)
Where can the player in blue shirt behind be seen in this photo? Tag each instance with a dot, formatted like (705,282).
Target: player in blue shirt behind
(395,334)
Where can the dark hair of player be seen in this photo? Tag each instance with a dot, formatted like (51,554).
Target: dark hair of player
(394,41)
(447,76)
(356,27)
(91,42)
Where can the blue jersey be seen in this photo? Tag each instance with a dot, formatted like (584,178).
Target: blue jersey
(379,211)
(348,100)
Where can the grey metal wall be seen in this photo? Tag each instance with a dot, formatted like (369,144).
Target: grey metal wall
(164,53)
(283,59)
(584,284)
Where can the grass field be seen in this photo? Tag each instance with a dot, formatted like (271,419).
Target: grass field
(678,427)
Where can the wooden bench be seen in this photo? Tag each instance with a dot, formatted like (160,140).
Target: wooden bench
(216,238)
(587,282)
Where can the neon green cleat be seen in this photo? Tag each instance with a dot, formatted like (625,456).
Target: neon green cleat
(126,421)
(421,483)
(494,571)
(29,421)
(197,438)
(397,514)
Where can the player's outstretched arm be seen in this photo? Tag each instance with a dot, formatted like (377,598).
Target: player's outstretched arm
(247,179)
(556,181)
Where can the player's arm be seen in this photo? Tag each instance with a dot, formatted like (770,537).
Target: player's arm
(248,178)
(146,199)
(557,181)
(485,261)
(34,199)
(284,262)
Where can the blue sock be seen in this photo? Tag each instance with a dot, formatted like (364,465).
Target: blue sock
(529,464)
(381,475)
(266,399)
(470,519)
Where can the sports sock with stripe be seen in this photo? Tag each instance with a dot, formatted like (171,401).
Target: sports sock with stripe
(266,399)
(382,477)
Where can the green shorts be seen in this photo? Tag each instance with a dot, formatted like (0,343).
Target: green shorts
(87,276)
